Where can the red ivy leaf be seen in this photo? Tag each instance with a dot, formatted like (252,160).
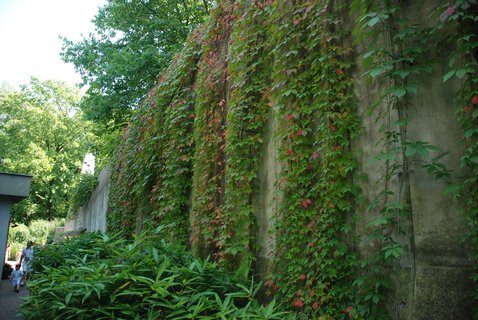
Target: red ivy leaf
(306,203)
(450,11)
(298,303)
(474,100)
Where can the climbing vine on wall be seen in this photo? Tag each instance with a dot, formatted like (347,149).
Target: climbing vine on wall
(173,143)
(190,156)
(460,21)
(394,57)
(209,134)
(248,108)
(312,86)
(151,174)
(401,58)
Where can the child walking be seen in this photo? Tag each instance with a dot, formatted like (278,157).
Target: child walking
(16,277)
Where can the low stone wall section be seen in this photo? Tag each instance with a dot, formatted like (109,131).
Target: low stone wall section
(92,215)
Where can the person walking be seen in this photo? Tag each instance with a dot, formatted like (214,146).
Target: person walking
(16,277)
(26,258)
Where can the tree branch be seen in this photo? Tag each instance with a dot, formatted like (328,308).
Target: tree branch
(206,5)
(148,7)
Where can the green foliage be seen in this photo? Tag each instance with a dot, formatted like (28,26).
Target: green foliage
(311,85)
(396,62)
(194,147)
(42,133)
(16,250)
(19,234)
(209,162)
(248,109)
(100,277)
(463,66)
(396,54)
(41,230)
(134,41)
(228,137)
(38,231)
(162,131)
(82,193)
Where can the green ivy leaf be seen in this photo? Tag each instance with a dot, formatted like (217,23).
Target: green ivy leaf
(410,150)
(462,72)
(454,189)
(402,122)
(399,92)
(376,298)
(474,159)
(475,113)
(448,75)
(379,221)
(375,72)
(411,88)
(420,147)
(402,73)
(392,251)
(469,132)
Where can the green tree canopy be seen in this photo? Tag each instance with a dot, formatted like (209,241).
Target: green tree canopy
(134,41)
(42,133)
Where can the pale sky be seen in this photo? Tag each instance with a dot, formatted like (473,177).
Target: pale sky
(29,37)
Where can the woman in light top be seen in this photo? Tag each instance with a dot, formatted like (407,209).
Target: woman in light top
(26,258)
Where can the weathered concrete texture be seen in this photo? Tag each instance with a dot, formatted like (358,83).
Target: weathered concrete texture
(439,293)
(442,293)
(92,215)
(267,199)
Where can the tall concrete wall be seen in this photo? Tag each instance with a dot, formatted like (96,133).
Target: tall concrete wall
(432,278)
(92,215)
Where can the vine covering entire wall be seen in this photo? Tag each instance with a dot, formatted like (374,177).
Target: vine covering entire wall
(191,156)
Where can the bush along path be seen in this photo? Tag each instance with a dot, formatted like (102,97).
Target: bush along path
(101,277)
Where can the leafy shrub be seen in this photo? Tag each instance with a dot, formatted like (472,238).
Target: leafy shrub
(97,276)
(19,234)
(83,191)
(41,229)
(16,250)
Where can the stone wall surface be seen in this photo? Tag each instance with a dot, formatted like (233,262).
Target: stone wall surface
(92,215)
(432,277)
